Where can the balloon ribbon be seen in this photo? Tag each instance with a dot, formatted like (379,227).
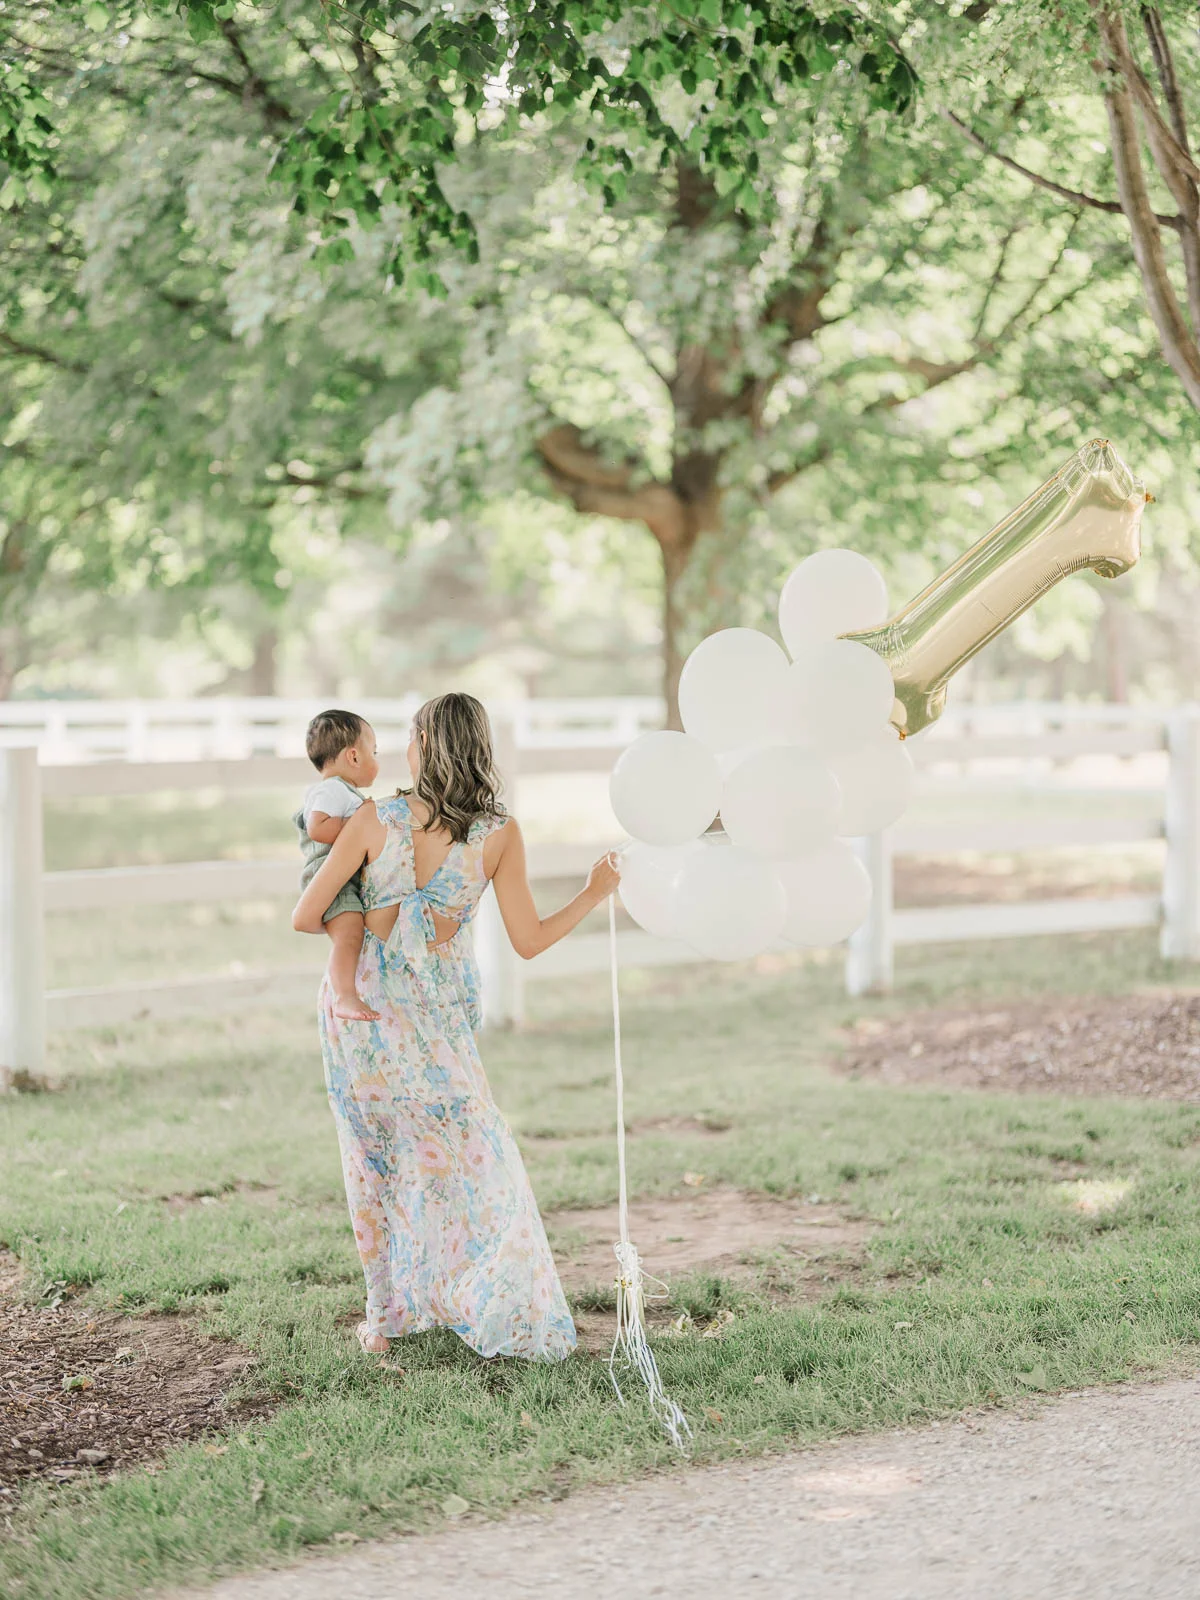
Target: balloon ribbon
(631,1347)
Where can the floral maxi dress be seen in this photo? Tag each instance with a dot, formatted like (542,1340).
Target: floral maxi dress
(444,1218)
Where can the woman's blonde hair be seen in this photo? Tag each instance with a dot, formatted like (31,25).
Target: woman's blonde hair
(458,780)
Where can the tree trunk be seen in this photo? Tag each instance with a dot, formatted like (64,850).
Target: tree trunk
(1116,667)
(699,516)
(262,679)
(12,659)
(674,562)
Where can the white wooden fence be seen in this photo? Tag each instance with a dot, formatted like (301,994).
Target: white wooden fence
(250,744)
(73,731)
(1057,737)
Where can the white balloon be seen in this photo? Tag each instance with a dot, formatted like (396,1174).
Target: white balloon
(733,689)
(842,695)
(729,903)
(781,801)
(665,788)
(828,895)
(876,781)
(730,760)
(831,592)
(649,873)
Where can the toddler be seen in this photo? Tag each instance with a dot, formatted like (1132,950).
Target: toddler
(341,745)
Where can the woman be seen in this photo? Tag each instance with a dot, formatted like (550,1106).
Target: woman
(444,1218)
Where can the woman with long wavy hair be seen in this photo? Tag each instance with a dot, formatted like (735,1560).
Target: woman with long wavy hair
(444,1218)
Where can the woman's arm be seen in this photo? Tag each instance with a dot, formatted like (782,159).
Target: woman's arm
(339,866)
(529,933)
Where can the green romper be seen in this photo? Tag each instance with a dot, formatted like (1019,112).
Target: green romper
(348,897)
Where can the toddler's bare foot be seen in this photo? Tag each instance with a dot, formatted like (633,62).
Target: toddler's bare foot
(374,1344)
(352,1009)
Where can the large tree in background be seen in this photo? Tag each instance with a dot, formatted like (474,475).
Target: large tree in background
(671,328)
(666,362)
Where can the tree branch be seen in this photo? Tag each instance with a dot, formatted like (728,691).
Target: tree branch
(595,298)
(1164,64)
(1178,345)
(1076,196)
(994,281)
(1181,183)
(935,373)
(1018,316)
(796,306)
(592,485)
(35,352)
(785,475)
(329,480)
(1175,156)
(255,87)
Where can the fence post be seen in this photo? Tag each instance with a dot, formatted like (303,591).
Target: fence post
(22,919)
(869,963)
(1180,939)
(501,973)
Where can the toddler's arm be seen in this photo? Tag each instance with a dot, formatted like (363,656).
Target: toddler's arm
(325,829)
(340,865)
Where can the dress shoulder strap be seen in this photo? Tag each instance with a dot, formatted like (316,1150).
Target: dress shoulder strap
(394,812)
(483,826)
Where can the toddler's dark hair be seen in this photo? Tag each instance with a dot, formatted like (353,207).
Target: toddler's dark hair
(331,732)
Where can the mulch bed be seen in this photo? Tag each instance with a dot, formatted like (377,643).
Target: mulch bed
(1120,1045)
(83,1391)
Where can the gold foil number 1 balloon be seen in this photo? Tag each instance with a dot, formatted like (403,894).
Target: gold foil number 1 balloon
(1087,515)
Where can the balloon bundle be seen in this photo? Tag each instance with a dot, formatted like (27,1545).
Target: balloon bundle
(792,755)
(795,756)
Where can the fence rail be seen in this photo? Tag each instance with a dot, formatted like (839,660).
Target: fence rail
(82,750)
(67,732)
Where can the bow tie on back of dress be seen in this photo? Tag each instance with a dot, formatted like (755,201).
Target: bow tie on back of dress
(414,930)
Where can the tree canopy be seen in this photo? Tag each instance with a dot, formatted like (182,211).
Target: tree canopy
(808,308)
(404,85)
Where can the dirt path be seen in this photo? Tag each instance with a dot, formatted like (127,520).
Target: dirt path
(1093,1495)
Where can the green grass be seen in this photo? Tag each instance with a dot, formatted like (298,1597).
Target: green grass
(958,1189)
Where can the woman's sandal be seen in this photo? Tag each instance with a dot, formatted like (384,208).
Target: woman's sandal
(373,1344)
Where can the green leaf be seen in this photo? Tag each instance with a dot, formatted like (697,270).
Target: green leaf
(748,200)
(96,16)
(202,25)
(821,59)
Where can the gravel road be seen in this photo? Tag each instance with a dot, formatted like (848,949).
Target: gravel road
(1092,1495)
